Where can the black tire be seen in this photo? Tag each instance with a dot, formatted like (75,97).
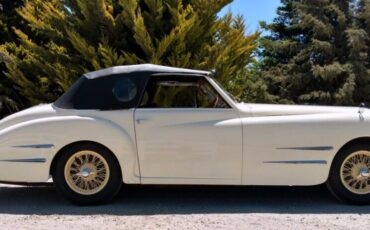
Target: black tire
(111,188)
(335,184)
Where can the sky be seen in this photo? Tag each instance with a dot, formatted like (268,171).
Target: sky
(253,11)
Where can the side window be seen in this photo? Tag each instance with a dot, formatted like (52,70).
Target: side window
(181,92)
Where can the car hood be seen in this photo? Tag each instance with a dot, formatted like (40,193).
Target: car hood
(35,112)
(258,110)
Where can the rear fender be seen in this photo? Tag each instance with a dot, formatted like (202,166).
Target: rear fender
(38,141)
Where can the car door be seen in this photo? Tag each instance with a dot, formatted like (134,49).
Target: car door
(187,134)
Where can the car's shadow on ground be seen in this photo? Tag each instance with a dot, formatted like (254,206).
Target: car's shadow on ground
(153,200)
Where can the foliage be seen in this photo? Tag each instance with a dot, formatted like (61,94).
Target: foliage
(315,53)
(359,42)
(10,101)
(69,37)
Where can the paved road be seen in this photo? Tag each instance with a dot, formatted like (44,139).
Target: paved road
(183,207)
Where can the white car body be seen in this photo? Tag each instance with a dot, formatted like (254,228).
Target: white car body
(247,144)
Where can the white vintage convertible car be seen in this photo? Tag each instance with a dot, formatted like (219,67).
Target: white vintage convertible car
(150,124)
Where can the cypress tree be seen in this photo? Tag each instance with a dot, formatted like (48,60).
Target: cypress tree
(68,38)
(307,57)
(10,101)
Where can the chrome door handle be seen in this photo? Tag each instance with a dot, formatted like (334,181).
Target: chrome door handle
(141,120)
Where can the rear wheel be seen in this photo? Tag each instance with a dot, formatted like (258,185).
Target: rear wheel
(349,178)
(87,174)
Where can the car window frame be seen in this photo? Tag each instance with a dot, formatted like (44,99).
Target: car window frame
(227,102)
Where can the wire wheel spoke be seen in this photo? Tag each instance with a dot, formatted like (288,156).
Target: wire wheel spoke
(363,184)
(354,172)
(87,172)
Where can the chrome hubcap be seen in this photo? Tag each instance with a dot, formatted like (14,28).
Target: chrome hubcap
(355,172)
(86,172)
(364,172)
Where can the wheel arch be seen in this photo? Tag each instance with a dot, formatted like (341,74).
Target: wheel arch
(353,142)
(64,148)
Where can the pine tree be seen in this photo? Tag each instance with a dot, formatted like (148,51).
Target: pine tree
(307,57)
(10,101)
(359,43)
(70,37)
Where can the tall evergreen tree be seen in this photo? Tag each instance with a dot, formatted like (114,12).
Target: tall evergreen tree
(68,38)
(359,43)
(307,56)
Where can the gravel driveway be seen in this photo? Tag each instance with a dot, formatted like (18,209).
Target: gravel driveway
(154,207)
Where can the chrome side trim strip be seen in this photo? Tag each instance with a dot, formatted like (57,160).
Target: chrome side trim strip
(323,162)
(314,148)
(40,146)
(26,160)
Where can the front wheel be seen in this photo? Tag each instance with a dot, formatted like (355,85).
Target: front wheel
(87,174)
(349,177)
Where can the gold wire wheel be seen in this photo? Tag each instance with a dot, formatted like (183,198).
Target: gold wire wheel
(355,174)
(86,172)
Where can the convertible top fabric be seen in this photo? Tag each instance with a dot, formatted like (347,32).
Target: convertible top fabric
(148,68)
(98,90)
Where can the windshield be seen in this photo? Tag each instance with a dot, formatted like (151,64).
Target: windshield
(225,90)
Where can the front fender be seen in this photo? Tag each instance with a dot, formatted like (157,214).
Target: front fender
(39,140)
